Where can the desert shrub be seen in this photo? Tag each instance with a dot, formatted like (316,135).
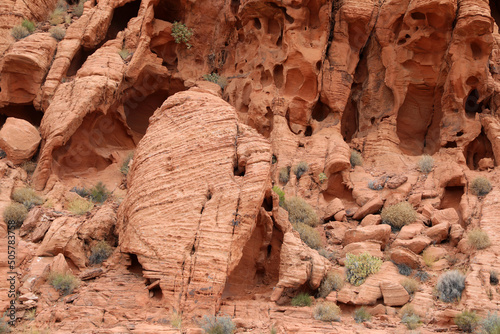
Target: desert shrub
(491,324)
(57,16)
(373,186)
(124,53)
(126,163)
(218,325)
(217,79)
(65,283)
(284,175)
(428,258)
(176,320)
(356,159)
(422,275)
(480,186)
(327,254)
(99,193)
(308,235)
(29,167)
(83,192)
(2,154)
(100,252)
(398,215)
(78,10)
(404,269)
(30,314)
(4,327)
(273,331)
(493,277)
(281,195)
(467,321)
(450,286)
(27,196)
(410,285)
(58,33)
(359,267)
(19,32)
(327,311)
(332,281)
(299,211)
(300,169)
(322,177)
(412,321)
(80,206)
(478,239)
(15,213)
(362,315)
(407,310)
(301,300)
(425,164)
(182,34)
(29,25)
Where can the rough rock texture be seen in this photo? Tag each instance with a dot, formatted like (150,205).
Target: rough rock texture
(19,139)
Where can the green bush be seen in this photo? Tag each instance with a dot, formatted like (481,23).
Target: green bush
(99,193)
(300,169)
(16,213)
(404,269)
(124,53)
(308,235)
(281,195)
(65,283)
(491,324)
(322,177)
(27,196)
(425,164)
(450,286)
(218,325)
(57,16)
(80,206)
(19,32)
(182,34)
(359,267)
(58,33)
(362,315)
(480,186)
(493,277)
(398,215)
(100,252)
(422,275)
(412,321)
(332,281)
(301,300)
(327,311)
(478,238)
(299,211)
(356,159)
(410,285)
(467,321)
(284,175)
(126,163)
(29,25)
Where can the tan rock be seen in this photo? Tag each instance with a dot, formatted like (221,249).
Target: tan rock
(19,139)
(396,181)
(334,207)
(371,220)
(416,244)
(449,216)
(403,255)
(31,221)
(378,233)
(335,231)
(372,206)
(394,294)
(356,248)
(409,231)
(59,265)
(486,163)
(456,233)
(439,232)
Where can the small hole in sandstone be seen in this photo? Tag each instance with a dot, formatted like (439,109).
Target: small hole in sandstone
(418,16)
(256,23)
(239,171)
(450,144)
(476,50)
(156,293)
(308,131)
(407,36)
(460,133)
(301,145)
(135,266)
(269,249)
(372,120)
(318,65)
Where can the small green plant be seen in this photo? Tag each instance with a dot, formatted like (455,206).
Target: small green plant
(480,186)
(478,239)
(425,164)
(29,25)
(332,281)
(29,167)
(327,311)
(467,321)
(65,283)
(176,320)
(15,213)
(218,325)
(80,206)
(57,16)
(99,193)
(27,196)
(359,267)
(126,163)
(322,177)
(300,169)
(100,252)
(450,286)
(299,211)
(281,195)
(491,324)
(404,269)
(412,321)
(411,286)
(398,215)
(362,315)
(58,33)
(493,277)
(19,32)
(284,175)
(422,276)
(29,314)
(309,235)
(83,192)
(124,53)
(182,34)
(356,159)
(301,300)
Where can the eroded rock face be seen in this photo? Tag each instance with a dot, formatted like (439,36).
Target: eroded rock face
(19,139)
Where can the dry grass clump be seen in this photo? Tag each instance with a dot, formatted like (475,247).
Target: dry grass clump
(301,300)
(410,285)
(27,196)
(100,252)
(467,321)
(299,211)
(65,283)
(425,164)
(308,235)
(300,169)
(15,213)
(327,311)
(284,175)
(58,33)
(478,238)
(399,215)
(80,206)
(332,281)
(356,159)
(450,286)
(359,267)
(19,32)
(57,16)
(480,186)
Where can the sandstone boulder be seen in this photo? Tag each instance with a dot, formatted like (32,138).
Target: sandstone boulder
(19,139)
(405,256)
(379,233)
(439,232)
(449,216)
(416,244)
(394,293)
(372,206)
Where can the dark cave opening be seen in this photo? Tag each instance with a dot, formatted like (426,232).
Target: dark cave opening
(478,149)
(337,189)
(169,10)
(26,112)
(349,123)
(320,111)
(139,108)
(451,199)
(495,11)
(121,17)
(135,266)
(472,105)
(78,60)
